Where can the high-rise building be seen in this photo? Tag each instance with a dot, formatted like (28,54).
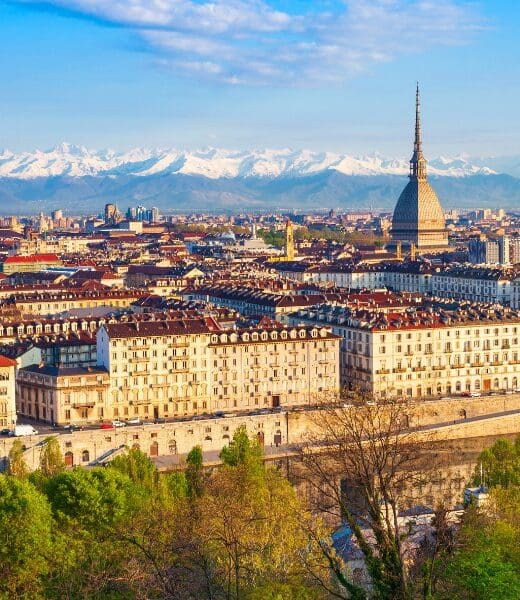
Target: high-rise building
(484,251)
(418,217)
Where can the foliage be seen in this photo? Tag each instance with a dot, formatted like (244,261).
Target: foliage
(51,457)
(243,451)
(17,465)
(25,538)
(194,472)
(500,464)
(486,563)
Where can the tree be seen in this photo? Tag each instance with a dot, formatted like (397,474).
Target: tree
(361,462)
(194,472)
(485,564)
(51,457)
(25,538)
(242,451)
(139,468)
(500,464)
(17,465)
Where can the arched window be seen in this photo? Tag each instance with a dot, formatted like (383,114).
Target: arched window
(496,383)
(458,386)
(85,456)
(172,447)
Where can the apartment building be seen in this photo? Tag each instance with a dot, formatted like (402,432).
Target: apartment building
(185,367)
(436,350)
(7,392)
(30,263)
(63,395)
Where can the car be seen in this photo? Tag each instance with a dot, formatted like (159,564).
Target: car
(5,432)
(219,414)
(106,426)
(136,421)
(147,423)
(72,427)
(118,423)
(160,420)
(509,392)
(475,394)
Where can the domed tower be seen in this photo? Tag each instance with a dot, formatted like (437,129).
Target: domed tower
(418,216)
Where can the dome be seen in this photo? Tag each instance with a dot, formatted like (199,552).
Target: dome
(418,208)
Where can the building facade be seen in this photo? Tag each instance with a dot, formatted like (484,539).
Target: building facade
(424,353)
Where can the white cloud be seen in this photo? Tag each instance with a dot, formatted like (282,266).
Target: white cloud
(251,42)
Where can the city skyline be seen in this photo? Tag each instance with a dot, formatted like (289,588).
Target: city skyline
(110,77)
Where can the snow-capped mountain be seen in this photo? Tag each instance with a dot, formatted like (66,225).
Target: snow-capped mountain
(67,160)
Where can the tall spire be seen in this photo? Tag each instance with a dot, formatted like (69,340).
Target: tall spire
(417,162)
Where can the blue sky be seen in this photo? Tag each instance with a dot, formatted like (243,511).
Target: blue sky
(325,75)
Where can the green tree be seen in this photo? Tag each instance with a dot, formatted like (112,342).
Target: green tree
(51,457)
(500,464)
(242,451)
(25,539)
(486,562)
(138,467)
(17,465)
(194,472)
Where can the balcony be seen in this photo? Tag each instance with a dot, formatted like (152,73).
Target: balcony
(383,371)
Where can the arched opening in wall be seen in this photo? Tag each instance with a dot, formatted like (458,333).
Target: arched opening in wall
(496,383)
(505,384)
(85,456)
(514,383)
(225,437)
(154,449)
(277,438)
(468,385)
(208,438)
(172,446)
(439,389)
(69,459)
(448,389)
(261,438)
(477,384)
(458,386)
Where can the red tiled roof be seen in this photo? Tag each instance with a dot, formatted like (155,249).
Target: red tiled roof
(32,258)
(7,362)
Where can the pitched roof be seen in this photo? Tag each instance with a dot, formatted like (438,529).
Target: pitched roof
(32,258)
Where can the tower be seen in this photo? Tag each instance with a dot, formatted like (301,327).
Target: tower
(289,240)
(418,216)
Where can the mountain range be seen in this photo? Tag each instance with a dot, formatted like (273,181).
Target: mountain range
(81,180)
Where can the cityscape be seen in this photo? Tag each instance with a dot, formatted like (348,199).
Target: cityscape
(259,375)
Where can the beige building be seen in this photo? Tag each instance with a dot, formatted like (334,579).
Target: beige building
(423,353)
(7,392)
(184,367)
(63,395)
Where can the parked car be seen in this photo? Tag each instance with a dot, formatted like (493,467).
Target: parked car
(475,394)
(20,430)
(72,427)
(5,432)
(106,426)
(136,421)
(118,423)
